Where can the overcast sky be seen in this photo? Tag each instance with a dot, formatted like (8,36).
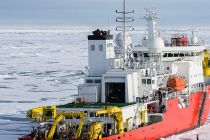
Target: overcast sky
(101,12)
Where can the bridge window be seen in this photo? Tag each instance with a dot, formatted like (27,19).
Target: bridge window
(109,45)
(181,54)
(92,47)
(97,81)
(101,47)
(146,54)
(170,54)
(144,81)
(176,55)
(165,55)
(149,81)
(135,55)
(89,81)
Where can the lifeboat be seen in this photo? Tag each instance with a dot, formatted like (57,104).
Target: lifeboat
(176,83)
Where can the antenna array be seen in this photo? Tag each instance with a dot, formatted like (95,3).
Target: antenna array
(124,19)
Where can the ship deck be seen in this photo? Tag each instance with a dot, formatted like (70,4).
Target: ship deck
(93,105)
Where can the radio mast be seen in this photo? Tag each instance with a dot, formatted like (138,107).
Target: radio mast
(124,19)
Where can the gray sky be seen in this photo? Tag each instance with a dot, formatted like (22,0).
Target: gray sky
(101,12)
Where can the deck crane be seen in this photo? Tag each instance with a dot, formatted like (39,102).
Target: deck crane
(60,116)
(116,112)
(35,114)
(43,113)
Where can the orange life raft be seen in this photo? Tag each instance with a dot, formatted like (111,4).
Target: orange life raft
(176,83)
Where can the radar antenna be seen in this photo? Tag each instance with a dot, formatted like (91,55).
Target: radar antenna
(124,19)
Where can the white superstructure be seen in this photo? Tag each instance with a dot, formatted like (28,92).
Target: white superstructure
(147,71)
(145,78)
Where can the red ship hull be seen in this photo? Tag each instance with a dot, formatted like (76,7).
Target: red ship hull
(175,121)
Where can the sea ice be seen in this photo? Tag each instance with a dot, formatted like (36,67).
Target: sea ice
(43,66)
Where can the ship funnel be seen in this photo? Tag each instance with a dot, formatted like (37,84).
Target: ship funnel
(100,51)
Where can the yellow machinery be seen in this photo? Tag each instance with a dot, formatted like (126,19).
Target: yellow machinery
(52,130)
(127,123)
(43,113)
(49,112)
(35,113)
(143,116)
(81,115)
(117,112)
(94,131)
(206,64)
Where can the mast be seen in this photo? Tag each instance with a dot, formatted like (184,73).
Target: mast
(151,18)
(154,42)
(124,19)
(124,24)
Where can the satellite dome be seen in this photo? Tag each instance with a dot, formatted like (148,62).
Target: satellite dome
(156,44)
(119,40)
(194,40)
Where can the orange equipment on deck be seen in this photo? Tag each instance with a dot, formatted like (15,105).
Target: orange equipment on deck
(176,83)
(180,41)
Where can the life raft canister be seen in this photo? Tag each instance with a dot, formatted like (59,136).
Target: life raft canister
(176,83)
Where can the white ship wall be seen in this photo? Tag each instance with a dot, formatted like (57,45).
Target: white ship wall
(99,60)
(132,80)
(191,71)
(90,92)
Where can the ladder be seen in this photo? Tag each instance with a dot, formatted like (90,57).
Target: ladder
(201,107)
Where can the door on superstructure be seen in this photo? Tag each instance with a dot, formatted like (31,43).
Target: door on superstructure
(115,92)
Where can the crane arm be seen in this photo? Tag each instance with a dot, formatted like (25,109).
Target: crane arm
(52,130)
(99,112)
(67,114)
(117,112)
(79,129)
(109,110)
